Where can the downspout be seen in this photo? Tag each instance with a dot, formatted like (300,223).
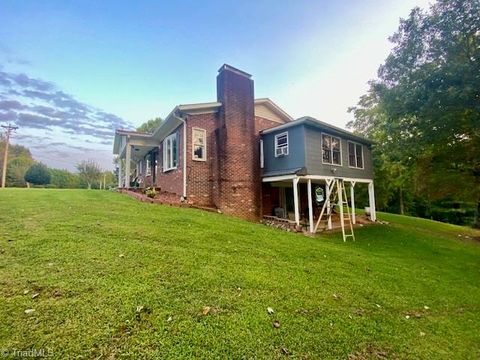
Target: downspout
(184,156)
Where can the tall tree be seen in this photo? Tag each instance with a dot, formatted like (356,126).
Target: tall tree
(425,104)
(150,125)
(89,171)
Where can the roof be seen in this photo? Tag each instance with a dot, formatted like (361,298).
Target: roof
(274,107)
(295,171)
(174,119)
(129,133)
(308,120)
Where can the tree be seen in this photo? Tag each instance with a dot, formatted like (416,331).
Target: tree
(64,179)
(150,125)
(19,160)
(38,174)
(89,171)
(424,106)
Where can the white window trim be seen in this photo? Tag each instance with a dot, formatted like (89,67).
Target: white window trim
(276,143)
(363,156)
(331,151)
(204,144)
(262,159)
(165,141)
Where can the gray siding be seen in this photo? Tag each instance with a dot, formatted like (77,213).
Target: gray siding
(313,144)
(296,151)
(305,150)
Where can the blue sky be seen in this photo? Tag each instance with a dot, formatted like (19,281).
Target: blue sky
(130,61)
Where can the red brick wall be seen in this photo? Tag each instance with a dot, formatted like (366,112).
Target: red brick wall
(262,124)
(171,181)
(230,177)
(201,175)
(239,175)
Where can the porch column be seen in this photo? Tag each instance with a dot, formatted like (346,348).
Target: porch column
(128,154)
(371,201)
(310,205)
(329,208)
(295,201)
(352,201)
(119,173)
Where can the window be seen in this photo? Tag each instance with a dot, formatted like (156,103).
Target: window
(355,155)
(331,150)
(281,144)
(170,155)
(199,144)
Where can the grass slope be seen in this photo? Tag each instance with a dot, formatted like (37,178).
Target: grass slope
(68,245)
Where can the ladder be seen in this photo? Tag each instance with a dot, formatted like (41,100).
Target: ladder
(336,194)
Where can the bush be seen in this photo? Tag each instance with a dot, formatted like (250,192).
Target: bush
(150,192)
(38,174)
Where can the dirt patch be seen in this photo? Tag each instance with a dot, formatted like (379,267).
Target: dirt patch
(370,352)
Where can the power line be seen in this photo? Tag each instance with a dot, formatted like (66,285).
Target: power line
(8,131)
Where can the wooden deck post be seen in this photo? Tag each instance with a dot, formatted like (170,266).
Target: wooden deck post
(295,201)
(371,201)
(327,199)
(310,205)
(352,201)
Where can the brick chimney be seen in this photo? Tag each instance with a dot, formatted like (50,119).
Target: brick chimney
(238,173)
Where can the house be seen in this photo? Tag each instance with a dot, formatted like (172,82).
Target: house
(243,156)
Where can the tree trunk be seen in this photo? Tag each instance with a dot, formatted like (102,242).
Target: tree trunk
(89,186)
(476,221)
(402,206)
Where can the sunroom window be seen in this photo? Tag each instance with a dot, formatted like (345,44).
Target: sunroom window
(355,155)
(331,150)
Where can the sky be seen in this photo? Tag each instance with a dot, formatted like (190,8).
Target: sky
(73,71)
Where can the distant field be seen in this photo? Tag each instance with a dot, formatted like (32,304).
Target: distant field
(109,277)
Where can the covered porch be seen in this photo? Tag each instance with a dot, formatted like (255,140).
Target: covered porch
(135,166)
(298,199)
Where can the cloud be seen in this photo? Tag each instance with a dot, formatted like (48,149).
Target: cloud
(39,108)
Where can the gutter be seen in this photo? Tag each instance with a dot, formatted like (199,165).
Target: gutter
(184,155)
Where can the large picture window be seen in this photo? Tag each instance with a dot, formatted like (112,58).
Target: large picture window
(281,144)
(199,144)
(355,155)
(170,153)
(331,150)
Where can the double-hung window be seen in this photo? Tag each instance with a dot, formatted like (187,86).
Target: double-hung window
(281,144)
(199,144)
(331,150)
(170,154)
(355,155)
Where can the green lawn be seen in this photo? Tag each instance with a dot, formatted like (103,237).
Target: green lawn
(95,258)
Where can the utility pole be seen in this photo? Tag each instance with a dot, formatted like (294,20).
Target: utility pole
(8,130)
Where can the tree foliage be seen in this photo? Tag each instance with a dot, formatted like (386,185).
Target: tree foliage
(423,111)
(19,160)
(89,171)
(64,179)
(38,174)
(150,125)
